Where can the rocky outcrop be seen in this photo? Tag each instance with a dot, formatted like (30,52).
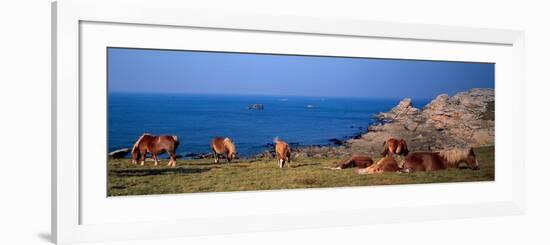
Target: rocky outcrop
(120,153)
(256,107)
(463,120)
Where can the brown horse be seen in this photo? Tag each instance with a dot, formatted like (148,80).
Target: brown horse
(358,161)
(223,146)
(155,145)
(384,165)
(282,150)
(432,161)
(395,147)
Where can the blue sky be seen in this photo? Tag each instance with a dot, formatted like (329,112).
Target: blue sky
(169,71)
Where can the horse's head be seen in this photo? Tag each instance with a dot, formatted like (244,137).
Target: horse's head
(232,150)
(135,155)
(402,148)
(232,155)
(471,159)
(135,149)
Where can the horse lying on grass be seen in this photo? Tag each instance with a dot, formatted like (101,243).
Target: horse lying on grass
(282,150)
(384,165)
(155,145)
(358,161)
(220,146)
(432,161)
(424,161)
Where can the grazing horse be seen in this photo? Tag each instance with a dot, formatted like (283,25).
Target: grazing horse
(282,150)
(432,161)
(155,145)
(395,147)
(223,146)
(384,165)
(358,161)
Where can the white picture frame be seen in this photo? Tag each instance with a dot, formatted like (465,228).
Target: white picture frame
(69,198)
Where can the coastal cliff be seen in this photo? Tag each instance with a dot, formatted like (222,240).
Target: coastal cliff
(463,120)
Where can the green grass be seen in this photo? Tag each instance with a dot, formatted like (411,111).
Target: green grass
(203,175)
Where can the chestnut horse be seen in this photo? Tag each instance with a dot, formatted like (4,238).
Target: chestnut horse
(155,145)
(359,161)
(432,161)
(282,150)
(395,147)
(223,146)
(384,165)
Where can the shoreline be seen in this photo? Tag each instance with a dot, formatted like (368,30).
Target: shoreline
(267,148)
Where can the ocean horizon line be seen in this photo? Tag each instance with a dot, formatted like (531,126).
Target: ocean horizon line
(279,96)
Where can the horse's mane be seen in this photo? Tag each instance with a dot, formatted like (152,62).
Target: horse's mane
(454,156)
(229,145)
(276,139)
(136,145)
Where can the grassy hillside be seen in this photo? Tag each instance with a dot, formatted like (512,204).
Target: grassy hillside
(263,174)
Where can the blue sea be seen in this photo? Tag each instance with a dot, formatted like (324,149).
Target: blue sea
(196,119)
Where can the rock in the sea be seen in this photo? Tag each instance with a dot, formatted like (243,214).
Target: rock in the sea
(194,155)
(256,107)
(336,141)
(120,153)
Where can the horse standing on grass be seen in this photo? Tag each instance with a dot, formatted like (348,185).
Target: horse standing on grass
(282,150)
(384,165)
(155,145)
(225,146)
(358,161)
(395,147)
(432,161)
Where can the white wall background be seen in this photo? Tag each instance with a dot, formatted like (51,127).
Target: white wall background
(25,121)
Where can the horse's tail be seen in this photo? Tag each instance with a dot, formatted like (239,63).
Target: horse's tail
(176,141)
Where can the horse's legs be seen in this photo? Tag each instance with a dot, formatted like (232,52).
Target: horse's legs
(155,157)
(172,159)
(215,157)
(143,158)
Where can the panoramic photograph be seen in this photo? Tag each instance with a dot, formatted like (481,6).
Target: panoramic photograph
(184,121)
